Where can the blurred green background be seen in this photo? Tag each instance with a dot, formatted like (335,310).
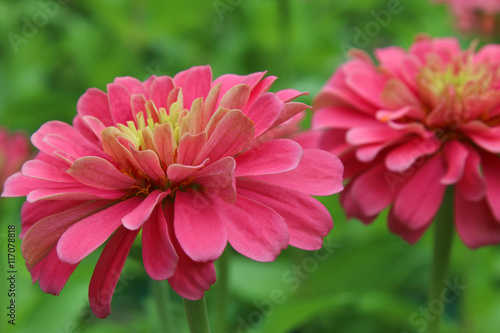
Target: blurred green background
(365,280)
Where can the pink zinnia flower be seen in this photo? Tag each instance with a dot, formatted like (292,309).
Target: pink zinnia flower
(14,151)
(475,15)
(186,160)
(411,125)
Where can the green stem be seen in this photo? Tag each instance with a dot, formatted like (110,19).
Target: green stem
(162,298)
(443,237)
(197,316)
(222,295)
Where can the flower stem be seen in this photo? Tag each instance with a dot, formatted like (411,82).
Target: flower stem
(443,238)
(162,298)
(197,317)
(222,296)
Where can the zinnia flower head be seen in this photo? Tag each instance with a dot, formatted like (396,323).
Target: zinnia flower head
(14,151)
(189,161)
(412,124)
(475,15)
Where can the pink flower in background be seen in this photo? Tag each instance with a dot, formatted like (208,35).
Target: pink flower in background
(411,125)
(14,151)
(189,161)
(475,15)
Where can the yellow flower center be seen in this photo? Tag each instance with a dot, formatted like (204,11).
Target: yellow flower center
(140,130)
(462,76)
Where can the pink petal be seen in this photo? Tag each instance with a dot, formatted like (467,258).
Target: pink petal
(373,134)
(198,227)
(43,170)
(45,233)
(116,149)
(253,229)
(388,116)
(343,97)
(99,173)
(236,97)
(259,89)
(368,153)
(95,103)
(54,273)
(95,125)
(138,103)
(18,185)
(160,88)
(196,118)
(148,162)
(334,141)
(233,133)
(178,173)
(472,185)
(74,193)
(420,197)
(336,117)
(218,179)
(491,167)
(190,147)
(307,219)
(191,279)
(319,173)
(211,103)
(290,110)
(286,95)
(31,213)
(119,102)
(264,112)
(136,218)
(400,227)
(397,95)
(195,82)
(367,83)
(455,155)
(56,135)
(108,269)
(447,48)
(390,58)
(87,235)
(134,86)
(270,157)
(372,191)
(228,81)
(485,136)
(351,206)
(158,253)
(476,225)
(165,144)
(404,156)
(308,139)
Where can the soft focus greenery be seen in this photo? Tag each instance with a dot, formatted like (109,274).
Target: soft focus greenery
(369,281)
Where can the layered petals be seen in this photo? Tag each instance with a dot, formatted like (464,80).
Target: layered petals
(410,124)
(108,269)
(164,160)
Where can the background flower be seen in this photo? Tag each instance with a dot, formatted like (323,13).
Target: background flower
(476,15)
(185,160)
(413,124)
(14,150)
